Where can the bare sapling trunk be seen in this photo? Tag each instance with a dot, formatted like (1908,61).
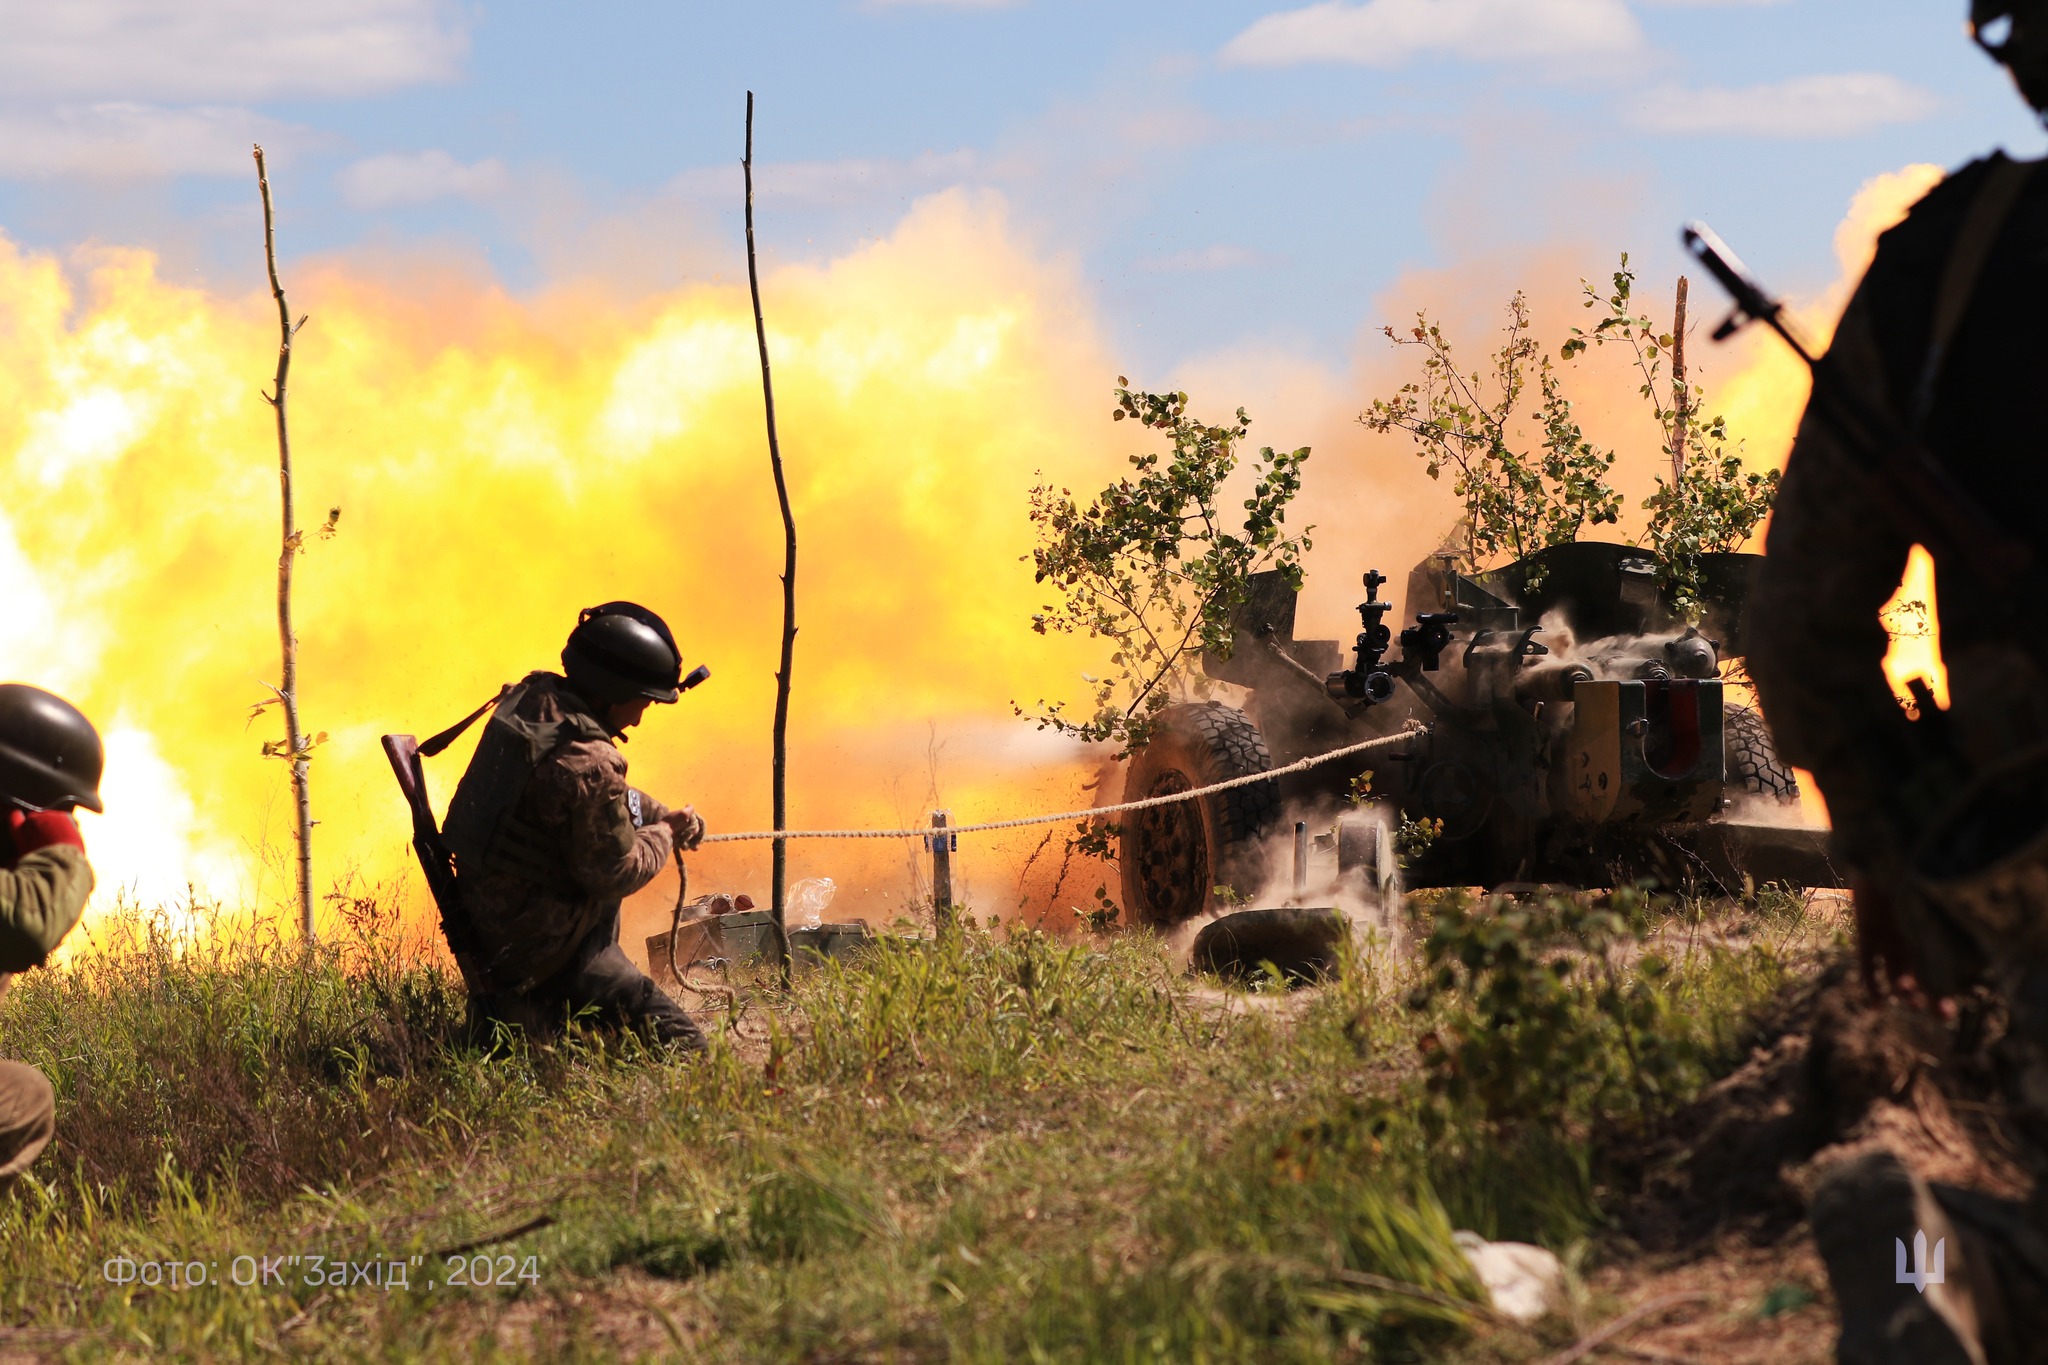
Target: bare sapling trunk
(296,745)
(778,885)
(1681,395)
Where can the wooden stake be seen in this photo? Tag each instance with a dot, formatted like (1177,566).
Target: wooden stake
(942,872)
(1681,396)
(296,746)
(1300,861)
(777,884)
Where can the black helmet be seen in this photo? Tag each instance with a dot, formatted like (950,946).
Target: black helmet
(50,756)
(2015,33)
(621,651)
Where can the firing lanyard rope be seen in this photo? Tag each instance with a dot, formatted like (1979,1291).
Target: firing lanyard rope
(1303,765)
(675,924)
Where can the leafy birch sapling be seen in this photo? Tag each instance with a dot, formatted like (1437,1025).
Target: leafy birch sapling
(1520,494)
(1518,497)
(1710,505)
(1153,566)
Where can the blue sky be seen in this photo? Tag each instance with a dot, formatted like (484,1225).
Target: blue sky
(1220,172)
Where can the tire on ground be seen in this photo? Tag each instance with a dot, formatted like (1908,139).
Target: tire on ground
(1173,856)
(1753,763)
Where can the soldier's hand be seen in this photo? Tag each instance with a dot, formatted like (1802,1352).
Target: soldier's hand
(687,825)
(42,829)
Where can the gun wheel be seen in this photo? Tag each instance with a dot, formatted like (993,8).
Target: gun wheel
(1753,762)
(1174,856)
(1169,852)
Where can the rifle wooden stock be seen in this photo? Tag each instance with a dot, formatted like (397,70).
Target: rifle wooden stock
(404,753)
(435,864)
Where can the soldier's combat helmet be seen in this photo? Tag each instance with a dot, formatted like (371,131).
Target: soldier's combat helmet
(50,756)
(621,651)
(2015,33)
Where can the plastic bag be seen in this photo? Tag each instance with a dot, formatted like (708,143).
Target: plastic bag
(807,902)
(1525,1282)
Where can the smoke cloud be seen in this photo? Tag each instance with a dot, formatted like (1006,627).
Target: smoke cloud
(500,462)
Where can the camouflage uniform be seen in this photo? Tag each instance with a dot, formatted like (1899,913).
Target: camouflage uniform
(41,896)
(1958,362)
(542,884)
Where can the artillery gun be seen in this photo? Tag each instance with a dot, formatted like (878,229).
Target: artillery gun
(1563,722)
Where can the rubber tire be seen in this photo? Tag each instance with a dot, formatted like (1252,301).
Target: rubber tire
(1195,745)
(1753,763)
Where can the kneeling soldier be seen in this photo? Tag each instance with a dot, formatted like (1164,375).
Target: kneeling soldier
(548,838)
(50,760)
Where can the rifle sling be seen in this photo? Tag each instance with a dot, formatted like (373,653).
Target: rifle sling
(448,736)
(1967,257)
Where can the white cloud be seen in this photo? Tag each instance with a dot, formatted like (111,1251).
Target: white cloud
(131,140)
(379,182)
(1387,33)
(1806,106)
(224,51)
(1200,260)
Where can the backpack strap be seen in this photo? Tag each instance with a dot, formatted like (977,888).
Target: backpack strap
(1967,257)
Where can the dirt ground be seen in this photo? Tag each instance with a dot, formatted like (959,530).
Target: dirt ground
(1732,1303)
(1720,1191)
(1831,1074)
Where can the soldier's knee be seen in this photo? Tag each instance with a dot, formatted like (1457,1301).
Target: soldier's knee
(610,978)
(28,1118)
(1863,1210)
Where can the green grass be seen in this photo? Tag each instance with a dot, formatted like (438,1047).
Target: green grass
(994,1147)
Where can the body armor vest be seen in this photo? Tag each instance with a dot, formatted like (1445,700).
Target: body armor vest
(483,829)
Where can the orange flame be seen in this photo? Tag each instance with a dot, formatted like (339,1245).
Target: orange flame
(499,464)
